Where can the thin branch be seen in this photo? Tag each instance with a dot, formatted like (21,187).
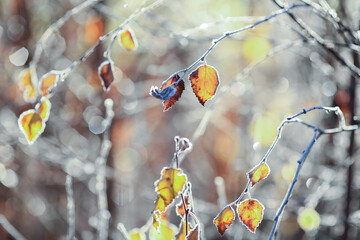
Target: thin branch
(103,212)
(70,208)
(10,228)
(54,27)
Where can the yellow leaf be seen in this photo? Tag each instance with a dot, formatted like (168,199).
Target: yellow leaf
(308,219)
(258,173)
(47,84)
(204,82)
(44,109)
(26,85)
(128,40)
(182,233)
(136,234)
(250,213)
(171,182)
(166,231)
(31,125)
(224,219)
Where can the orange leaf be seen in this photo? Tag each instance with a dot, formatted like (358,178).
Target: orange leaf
(26,85)
(128,40)
(250,213)
(166,231)
(179,90)
(258,173)
(204,82)
(180,206)
(171,182)
(106,75)
(224,218)
(31,125)
(193,234)
(44,109)
(47,83)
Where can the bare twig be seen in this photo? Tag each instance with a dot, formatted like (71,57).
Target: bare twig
(10,228)
(70,208)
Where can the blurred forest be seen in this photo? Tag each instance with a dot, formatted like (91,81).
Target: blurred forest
(72,184)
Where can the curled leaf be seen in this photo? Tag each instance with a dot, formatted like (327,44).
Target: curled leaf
(106,75)
(26,85)
(251,213)
(224,219)
(128,40)
(174,96)
(48,83)
(44,109)
(204,82)
(258,173)
(31,125)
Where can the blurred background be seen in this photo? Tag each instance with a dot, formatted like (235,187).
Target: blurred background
(241,121)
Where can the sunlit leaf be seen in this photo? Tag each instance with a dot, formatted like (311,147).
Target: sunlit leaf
(136,234)
(224,219)
(93,29)
(204,82)
(31,125)
(166,231)
(180,206)
(250,213)
(193,234)
(168,187)
(44,109)
(179,89)
(255,48)
(128,40)
(259,173)
(106,75)
(308,219)
(48,83)
(26,86)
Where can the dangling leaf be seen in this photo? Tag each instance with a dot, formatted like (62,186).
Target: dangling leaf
(168,187)
(250,213)
(179,90)
(26,86)
(48,83)
(166,231)
(44,109)
(128,40)
(204,82)
(258,173)
(193,234)
(106,75)
(136,234)
(180,206)
(224,219)
(31,125)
